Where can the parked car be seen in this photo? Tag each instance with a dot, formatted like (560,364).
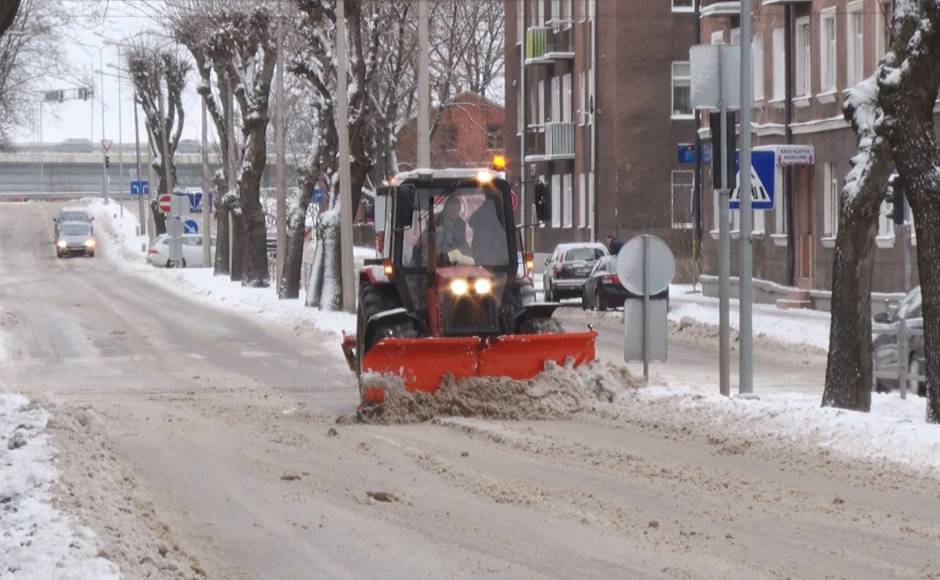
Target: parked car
(159,252)
(569,267)
(73,214)
(885,346)
(74,239)
(603,290)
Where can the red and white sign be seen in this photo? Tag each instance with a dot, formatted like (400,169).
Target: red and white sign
(106,144)
(166,202)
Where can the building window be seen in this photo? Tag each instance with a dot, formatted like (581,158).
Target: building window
(683,183)
(855,61)
(582,201)
(584,10)
(540,13)
(681,90)
(779,84)
(757,60)
(591,8)
(780,213)
(542,116)
(682,6)
(827,51)
(881,31)
(830,201)
(568,194)
(803,57)
(556,201)
(589,114)
(556,100)
(494,137)
(449,137)
(582,98)
(566,98)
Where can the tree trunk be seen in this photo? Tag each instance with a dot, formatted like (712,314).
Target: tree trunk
(237,239)
(289,284)
(315,282)
(907,93)
(849,366)
(249,194)
(221,241)
(159,220)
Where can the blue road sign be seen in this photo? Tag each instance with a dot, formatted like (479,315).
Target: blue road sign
(763,171)
(685,153)
(195,201)
(140,188)
(190,227)
(316,196)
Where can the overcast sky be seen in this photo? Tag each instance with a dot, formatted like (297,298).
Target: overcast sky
(75,119)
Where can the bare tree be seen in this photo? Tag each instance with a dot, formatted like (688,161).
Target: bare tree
(30,49)
(907,90)
(192,23)
(159,76)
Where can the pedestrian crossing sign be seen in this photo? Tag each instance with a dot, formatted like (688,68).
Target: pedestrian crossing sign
(763,171)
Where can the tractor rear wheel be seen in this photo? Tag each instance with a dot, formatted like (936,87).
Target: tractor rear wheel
(541,326)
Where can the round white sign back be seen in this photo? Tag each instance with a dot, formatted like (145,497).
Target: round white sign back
(662,265)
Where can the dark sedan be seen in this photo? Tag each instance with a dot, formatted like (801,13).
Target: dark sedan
(603,290)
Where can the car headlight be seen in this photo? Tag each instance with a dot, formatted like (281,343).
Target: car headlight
(90,243)
(62,244)
(482,286)
(459,287)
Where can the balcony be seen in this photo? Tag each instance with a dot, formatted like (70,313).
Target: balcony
(549,142)
(546,44)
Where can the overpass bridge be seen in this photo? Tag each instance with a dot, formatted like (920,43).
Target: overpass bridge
(32,173)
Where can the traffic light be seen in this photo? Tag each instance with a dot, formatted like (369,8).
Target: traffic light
(895,197)
(107,162)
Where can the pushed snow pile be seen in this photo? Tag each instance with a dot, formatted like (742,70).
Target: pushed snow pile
(36,539)
(558,392)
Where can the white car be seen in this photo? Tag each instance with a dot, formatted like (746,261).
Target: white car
(159,252)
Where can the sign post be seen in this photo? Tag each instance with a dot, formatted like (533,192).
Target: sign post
(716,86)
(645,267)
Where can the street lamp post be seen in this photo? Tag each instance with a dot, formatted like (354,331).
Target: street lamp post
(105,186)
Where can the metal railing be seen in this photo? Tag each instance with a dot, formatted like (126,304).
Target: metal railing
(559,139)
(903,332)
(543,43)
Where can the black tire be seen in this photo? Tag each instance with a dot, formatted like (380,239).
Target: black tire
(541,326)
(91,254)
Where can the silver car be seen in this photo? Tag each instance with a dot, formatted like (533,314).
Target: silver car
(75,239)
(569,267)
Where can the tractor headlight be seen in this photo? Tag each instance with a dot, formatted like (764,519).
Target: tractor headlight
(482,286)
(62,244)
(459,287)
(90,243)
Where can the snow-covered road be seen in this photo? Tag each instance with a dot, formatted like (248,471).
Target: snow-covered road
(200,438)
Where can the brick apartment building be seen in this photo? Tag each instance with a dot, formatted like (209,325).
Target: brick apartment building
(597,104)
(822,47)
(468,133)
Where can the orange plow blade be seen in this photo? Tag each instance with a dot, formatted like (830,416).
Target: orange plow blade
(422,363)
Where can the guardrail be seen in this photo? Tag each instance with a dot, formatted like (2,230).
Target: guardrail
(903,331)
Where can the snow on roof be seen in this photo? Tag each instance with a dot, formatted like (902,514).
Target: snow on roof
(449,173)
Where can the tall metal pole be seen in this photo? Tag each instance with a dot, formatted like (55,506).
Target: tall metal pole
(232,164)
(123,179)
(140,197)
(281,213)
(105,186)
(424,87)
(745,270)
(345,178)
(42,169)
(724,257)
(206,196)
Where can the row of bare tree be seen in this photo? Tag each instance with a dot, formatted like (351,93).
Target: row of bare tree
(232,48)
(893,116)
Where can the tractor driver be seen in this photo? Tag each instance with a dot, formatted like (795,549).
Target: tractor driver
(452,234)
(452,246)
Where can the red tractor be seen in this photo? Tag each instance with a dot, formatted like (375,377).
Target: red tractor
(452,294)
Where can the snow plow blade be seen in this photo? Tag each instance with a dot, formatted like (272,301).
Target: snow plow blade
(422,363)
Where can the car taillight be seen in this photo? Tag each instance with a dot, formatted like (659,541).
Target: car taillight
(153,252)
(558,268)
(613,280)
